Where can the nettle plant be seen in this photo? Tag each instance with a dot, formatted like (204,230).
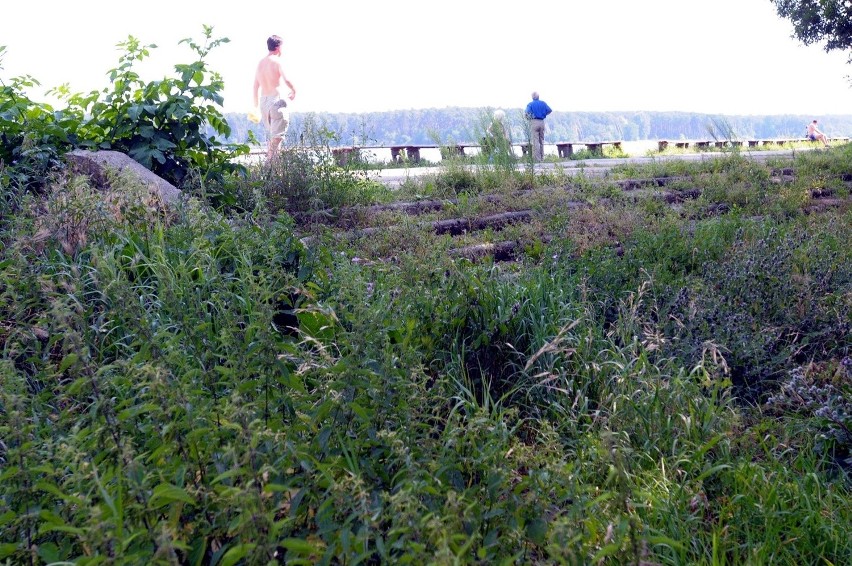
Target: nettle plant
(825,402)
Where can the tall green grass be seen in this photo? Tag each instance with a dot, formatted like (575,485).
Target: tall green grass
(196,387)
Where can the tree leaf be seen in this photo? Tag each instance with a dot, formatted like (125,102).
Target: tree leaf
(237,553)
(299,546)
(166,493)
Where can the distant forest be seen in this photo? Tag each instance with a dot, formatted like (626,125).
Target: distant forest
(462,125)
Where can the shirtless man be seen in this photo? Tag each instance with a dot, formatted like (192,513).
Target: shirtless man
(815,135)
(266,96)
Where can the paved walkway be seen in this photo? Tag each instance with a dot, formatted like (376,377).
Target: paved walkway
(395,177)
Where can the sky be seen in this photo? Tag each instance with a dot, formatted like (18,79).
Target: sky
(732,57)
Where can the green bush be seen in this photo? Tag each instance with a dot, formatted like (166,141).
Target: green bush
(31,141)
(164,125)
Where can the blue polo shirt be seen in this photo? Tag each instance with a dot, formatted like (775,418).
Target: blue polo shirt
(538,109)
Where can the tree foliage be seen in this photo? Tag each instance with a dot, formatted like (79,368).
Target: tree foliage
(818,20)
(31,136)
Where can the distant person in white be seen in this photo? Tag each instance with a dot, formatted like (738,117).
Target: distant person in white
(815,135)
(273,107)
(496,136)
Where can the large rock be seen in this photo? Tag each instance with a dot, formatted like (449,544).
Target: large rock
(104,166)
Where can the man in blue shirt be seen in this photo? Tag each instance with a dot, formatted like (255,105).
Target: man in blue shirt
(537,111)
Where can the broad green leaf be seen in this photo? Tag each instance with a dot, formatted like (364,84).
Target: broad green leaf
(299,546)
(197,549)
(136,410)
(607,550)
(166,493)
(52,489)
(9,472)
(163,144)
(237,553)
(61,529)
(710,471)
(7,517)
(360,411)
(227,475)
(68,361)
(49,552)
(317,322)
(7,549)
(537,530)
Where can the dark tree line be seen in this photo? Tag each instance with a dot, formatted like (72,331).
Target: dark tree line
(448,125)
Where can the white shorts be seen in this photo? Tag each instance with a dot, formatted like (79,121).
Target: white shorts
(275,116)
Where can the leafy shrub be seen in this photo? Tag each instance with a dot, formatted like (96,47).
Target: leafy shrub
(163,124)
(31,141)
(456,180)
(824,402)
(767,304)
(306,181)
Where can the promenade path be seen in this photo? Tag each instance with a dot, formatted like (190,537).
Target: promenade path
(396,176)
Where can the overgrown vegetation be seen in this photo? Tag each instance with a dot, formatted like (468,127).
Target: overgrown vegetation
(662,374)
(165,125)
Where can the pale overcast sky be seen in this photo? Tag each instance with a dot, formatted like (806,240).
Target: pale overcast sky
(720,56)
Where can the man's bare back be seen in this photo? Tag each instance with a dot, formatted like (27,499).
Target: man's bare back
(268,79)
(270,75)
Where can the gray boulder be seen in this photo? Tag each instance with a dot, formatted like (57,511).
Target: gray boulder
(102,167)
